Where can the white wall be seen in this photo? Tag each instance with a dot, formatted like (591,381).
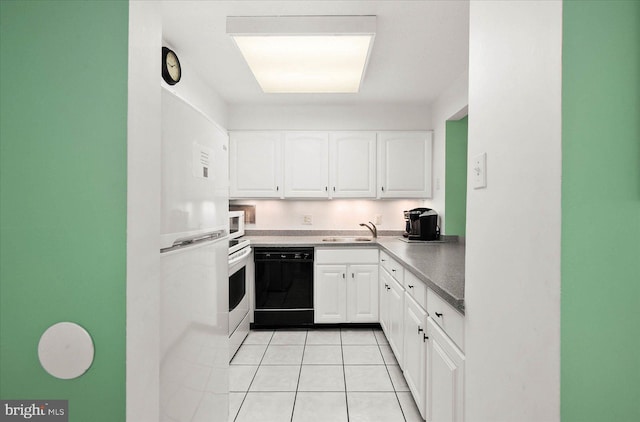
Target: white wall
(336,214)
(329,117)
(194,90)
(512,276)
(143,213)
(450,105)
(143,198)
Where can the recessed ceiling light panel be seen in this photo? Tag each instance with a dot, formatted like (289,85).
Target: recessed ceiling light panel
(305,54)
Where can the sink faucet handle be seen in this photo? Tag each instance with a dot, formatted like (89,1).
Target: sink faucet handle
(375,229)
(372,228)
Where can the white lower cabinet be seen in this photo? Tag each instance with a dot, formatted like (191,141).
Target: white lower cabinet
(346,292)
(383,308)
(330,294)
(415,350)
(362,293)
(426,336)
(445,377)
(350,287)
(392,310)
(396,318)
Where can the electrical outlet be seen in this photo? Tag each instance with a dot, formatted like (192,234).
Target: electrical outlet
(307,219)
(377,219)
(479,171)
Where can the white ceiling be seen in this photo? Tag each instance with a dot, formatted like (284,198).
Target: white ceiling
(421,47)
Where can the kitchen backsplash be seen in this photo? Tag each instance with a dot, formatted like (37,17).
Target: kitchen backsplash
(336,214)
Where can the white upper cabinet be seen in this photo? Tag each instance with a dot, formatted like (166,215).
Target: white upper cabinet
(255,160)
(306,157)
(315,164)
(352,164)
(404,164)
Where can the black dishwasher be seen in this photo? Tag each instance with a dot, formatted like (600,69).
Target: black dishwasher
(283,287)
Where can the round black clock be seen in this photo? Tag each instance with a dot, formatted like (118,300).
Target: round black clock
(171,70)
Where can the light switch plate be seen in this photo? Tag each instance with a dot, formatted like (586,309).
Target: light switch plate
(479,171)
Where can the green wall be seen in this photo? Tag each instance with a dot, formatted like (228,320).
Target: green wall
(63,129)
(600,322)
(456,176)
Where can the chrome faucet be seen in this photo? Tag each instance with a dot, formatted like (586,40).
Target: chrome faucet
(372,228)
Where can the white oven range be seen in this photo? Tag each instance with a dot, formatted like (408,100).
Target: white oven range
(239,253)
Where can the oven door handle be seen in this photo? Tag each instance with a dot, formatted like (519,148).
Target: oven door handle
(239,257)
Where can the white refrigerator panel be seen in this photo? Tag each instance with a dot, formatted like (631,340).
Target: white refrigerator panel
(194,333)
(195,172)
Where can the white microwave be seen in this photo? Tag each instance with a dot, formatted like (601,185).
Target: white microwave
(236,224)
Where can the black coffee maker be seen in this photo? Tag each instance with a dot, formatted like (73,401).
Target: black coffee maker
(421,224)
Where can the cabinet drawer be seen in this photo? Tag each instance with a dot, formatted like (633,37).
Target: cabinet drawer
(346,256)
(416,288)
(450,320)
(392,266)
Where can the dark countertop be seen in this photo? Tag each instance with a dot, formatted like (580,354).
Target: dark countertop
(439,265)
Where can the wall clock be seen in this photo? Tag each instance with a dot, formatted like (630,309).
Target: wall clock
(171,71)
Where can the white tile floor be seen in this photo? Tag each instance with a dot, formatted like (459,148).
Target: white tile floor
(327,375)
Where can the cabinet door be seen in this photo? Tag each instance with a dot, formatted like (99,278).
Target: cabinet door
(405,164)
(329,294)
(306,157)
(362,293)
(445,377)
(396,319)
(415,326)
(255,164)
(352,164)
(385,280)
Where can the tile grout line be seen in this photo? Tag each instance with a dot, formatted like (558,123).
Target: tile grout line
(344,376)
(391,379)
(254,375)
(295,397)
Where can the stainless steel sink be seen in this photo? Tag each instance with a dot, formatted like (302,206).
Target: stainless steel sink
(346,239)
